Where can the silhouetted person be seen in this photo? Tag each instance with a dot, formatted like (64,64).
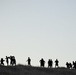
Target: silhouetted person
(50,62)
(42,62)
(12,60)
(74,64)
(2,61)
(7,60)
(67,64)
(56,63)
(29,61)
(70,65)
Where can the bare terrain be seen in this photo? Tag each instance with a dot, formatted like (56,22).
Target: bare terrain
(29,70)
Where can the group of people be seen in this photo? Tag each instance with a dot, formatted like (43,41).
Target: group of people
(9,61)
(50,63)
(42,62)
(12,62)
(71,65)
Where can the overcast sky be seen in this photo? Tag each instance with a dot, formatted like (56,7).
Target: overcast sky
(38,29)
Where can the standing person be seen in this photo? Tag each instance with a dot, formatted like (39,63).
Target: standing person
(2,61)
(29,61)
(70,65)
(74,64)
(42,62)
(12,61)
(56,63)
(7,61)
(67,64)
(50,63)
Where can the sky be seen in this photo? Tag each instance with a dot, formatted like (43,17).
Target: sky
(38,29)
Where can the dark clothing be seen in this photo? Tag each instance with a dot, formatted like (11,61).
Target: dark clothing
(50,62)
(29,61)
(67,64)
(74,64)
(2,61)
(7,60)
(42,62)
(12,60)
(56,63)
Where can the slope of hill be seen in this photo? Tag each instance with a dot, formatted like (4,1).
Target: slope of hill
(28,70)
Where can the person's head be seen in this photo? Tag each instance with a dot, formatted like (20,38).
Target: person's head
(28,57)
(42,58)
(1,58)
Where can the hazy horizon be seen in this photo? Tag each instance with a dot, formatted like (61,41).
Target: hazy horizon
(38,29)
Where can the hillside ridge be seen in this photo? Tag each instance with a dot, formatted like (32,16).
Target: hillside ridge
(31,70)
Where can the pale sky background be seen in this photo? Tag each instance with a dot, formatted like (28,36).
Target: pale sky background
(38,29)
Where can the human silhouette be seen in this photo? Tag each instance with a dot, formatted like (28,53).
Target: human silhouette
(29,61)
(50,62)
(12,60)
(69,65)
(2,61)
(7,60)
(42,62)
(74,64)
(56,63)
